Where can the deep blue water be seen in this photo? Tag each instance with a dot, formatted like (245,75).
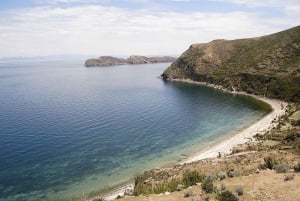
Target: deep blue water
(67,130)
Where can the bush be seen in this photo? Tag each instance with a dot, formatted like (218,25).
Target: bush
(191,178)
(227,196)
(231,173)
(179,187)
(239,190)
(270,162)
(281,168)
(207,186)
(297,168)
(288,177)
(188,193)
(222,175)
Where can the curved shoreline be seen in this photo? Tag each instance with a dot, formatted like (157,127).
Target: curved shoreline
(263,124)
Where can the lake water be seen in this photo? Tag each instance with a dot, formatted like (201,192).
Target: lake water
(67,130)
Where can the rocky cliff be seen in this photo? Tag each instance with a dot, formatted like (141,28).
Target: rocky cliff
(268,65)
(135,59)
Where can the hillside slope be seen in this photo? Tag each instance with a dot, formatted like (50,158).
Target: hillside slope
(268,65)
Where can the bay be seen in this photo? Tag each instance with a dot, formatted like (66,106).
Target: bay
(68,131)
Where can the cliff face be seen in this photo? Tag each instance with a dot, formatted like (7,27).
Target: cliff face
(135,59)
(268,65)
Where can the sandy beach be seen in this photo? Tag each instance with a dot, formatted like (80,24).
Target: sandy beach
(224,147)
(261,126)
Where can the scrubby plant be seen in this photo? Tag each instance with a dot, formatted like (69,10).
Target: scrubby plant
(227,196)
(179,187)
(281,168)
(270,162)
(231,173)
(297,168)
(191,178)
(221,175)
(188,193)
(288,177)
(207,186)
(239,190)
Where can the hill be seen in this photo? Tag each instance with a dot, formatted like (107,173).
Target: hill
(134,59)
(267,65)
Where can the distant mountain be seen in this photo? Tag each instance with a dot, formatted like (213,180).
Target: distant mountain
(268,65)
(135,59)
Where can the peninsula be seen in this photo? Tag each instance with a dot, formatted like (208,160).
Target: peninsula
(267,65)
(134,59)
(239,168)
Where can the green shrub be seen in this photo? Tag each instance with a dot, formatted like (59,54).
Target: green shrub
(191,178)
(281,168)
(222,175)
(207,186)
(227,196)
(270,162)
(188,193)
(239,190)
(231,173)
(297,168)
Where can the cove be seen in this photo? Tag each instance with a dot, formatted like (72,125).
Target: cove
(68,131)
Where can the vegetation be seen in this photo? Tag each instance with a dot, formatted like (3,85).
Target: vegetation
(239,190)
(281,168)
(192,177)
(297,168)
(270,162)
(268,65)
(207,186)
(227,196)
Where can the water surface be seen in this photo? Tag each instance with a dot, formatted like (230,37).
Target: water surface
(67,130)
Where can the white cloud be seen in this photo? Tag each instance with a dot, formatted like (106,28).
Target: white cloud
(103,30)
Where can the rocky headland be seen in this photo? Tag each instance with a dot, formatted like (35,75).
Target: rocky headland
(267,65)
(134,59)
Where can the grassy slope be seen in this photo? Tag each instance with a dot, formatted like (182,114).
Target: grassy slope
(269,65)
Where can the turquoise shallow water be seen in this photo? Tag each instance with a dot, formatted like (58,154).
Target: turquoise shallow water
(67,130)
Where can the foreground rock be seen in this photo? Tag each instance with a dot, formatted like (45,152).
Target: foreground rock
(135,59)
(268,65)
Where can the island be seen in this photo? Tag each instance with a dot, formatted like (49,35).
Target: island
(134,59)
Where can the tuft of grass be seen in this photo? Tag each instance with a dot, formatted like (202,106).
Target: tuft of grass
(207,186)
(239,190)
(270,162)
(192,177)
(227,196)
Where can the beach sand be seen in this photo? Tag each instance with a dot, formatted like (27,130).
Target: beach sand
(224,147)
(261,126)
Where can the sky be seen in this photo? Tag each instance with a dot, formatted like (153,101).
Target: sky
(30,28)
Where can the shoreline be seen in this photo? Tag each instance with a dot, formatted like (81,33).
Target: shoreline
(224,147)
(262,125)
